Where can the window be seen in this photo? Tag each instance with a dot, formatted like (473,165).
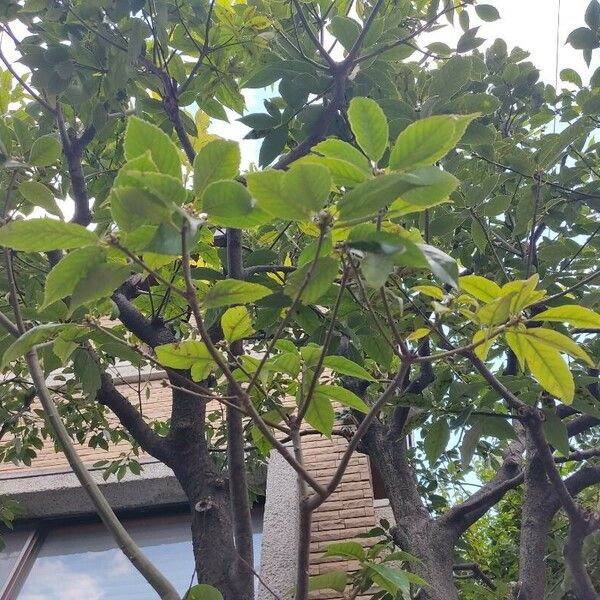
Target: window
(81,561)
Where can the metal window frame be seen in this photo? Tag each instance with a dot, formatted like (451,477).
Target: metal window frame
(22,567)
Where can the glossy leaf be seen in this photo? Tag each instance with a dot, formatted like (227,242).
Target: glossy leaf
(574,315)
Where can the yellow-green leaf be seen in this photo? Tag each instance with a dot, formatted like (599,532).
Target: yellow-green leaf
(481,288)
(556,340)
(516,343)
(495,312)
(234,291)
(236,323)
(419,333)
(429,290)
(524,294)
(574,315)
(550,369)
(484,341)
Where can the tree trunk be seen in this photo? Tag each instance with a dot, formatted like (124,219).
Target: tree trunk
(535,520)
(208,495)
(415,531)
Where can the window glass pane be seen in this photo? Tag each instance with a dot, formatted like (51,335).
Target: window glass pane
(81,562)
(14,541)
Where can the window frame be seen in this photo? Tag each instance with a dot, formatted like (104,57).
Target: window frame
(39,530)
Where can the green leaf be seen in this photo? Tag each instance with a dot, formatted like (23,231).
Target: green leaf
(550,369)
(367,198)
(345,29)
(43,235)
(370,127)
(436,439)
(307,186)
(203,592)
(555,340)
(487,12)
(583,38)
(142,136)
(352,550)
(229,204)
(376,268)
(344,366)
(390,578)
(133,207)
(38,194)
(236,323)
(324,271)
(234,291)
(320,414)
(442,266)
(483,349)
(33,336)
(334,148)
(219,159)
(332,580)
(451,77)
(295,195)
(592,15)
(574,315)
(100,281)
(469,444)
(428,140)
(66,274)
(166,188)
(45,151)
(342,396)
(479,287)
(556,432)
(496,312)
(183,355)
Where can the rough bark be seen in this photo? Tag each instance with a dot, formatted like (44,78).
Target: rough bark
(535,520)
(415,531)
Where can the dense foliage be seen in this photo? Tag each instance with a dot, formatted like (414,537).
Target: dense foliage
(414,251)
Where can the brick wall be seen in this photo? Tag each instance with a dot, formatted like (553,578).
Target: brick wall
(346,514)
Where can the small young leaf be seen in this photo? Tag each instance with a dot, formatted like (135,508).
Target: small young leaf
(203,592)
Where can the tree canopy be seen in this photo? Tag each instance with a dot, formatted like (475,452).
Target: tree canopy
(413,251)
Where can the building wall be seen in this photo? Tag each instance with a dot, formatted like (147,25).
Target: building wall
(348,513)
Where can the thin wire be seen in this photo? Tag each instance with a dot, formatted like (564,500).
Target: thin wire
(557,55)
